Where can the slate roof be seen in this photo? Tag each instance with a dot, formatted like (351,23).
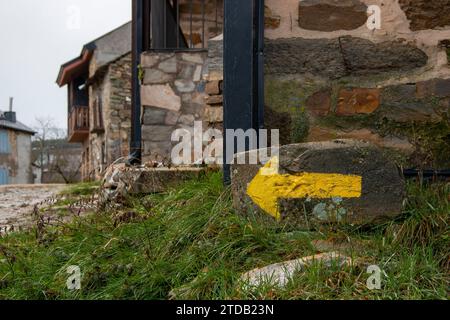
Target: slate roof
(17,126)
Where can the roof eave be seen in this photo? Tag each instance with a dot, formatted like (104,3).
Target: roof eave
(75,66)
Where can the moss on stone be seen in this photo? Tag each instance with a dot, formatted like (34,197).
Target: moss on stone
(431,140)
(290,96)
(287,95)
(300,126)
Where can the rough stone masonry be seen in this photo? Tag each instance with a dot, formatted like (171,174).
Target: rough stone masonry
(331,75)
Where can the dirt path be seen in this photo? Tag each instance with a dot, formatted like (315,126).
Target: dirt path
(17,202)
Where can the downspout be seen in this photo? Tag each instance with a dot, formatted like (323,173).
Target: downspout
(243,71)
(135,156)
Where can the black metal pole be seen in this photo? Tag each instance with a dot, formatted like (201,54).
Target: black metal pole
(259,62)
(243,70)
(137,41)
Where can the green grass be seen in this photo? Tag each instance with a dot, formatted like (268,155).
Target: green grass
(81,189)
(191,240)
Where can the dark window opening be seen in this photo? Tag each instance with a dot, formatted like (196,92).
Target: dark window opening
(98,126)
(181,24)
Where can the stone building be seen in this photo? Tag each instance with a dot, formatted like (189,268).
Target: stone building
(99,100)
(176,76)
(15,150)
(56,161)
(372,70)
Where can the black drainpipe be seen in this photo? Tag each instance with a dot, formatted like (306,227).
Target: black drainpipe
(243,69)
(135,156)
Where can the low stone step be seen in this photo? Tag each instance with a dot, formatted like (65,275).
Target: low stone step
(120,180)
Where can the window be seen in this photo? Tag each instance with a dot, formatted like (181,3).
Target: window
(181,24)
(103,153)
(98,115)
(4,142)
(4,176)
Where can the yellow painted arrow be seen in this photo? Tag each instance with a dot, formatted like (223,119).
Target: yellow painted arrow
(268,186)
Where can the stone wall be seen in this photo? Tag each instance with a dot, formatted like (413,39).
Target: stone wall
(330,74)
(173,97)
(110,139)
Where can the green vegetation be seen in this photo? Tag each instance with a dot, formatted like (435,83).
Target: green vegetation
(191,240)
(81,189)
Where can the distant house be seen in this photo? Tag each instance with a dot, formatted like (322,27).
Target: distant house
(56,161)
(99,100)
(15,150)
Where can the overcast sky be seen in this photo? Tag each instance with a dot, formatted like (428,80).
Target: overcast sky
(36,37)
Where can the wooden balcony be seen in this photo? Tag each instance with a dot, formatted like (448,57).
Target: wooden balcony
(78,124)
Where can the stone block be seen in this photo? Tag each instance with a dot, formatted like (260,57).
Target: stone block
(364,57)
(435,87)
(157,133)
(169,66)
(280,274)
(321,57)
(186,71)
(214,114)
(161,96)
(172,118)
(154,116)
(120,181)
(332,15)
(193,57)
(149,59)
(155,76)
(197,74)
(213,87)
(319,103)
(214,100)
(309,188)
(358,101)
(185,86)
(337,58)
(271,20)
(187,120)
(194,108)
(157,149)
(426,14)
(401,103)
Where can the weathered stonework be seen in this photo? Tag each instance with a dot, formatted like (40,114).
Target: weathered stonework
(380,197)
(272,21)
(160,96)
(363,57)
(338,58)
(110,118)
(177,101)
(319,103)
(408,103)
(358,101)
(331,15)
(426,14)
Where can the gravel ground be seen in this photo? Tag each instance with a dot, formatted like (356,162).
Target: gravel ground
(17,202)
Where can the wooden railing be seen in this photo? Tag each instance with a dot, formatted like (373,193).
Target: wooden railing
(78,124)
